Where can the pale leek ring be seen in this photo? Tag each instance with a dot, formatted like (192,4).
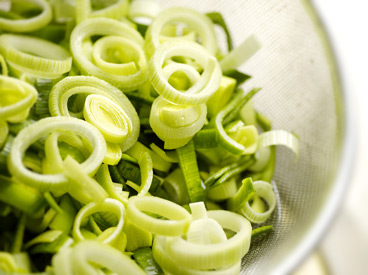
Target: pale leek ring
(108,205)
(200,91)
(264,190)
(41,128)
(89,85)
(195,20)
(29,24)
(24,94)
(178,217)
(107,27)
(35,56)
(216,255)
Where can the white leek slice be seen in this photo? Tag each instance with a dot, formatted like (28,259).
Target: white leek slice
(41,128)
(241,54)
(280,137)
(28,24)
(17,97)
(35,56)
(175,123)
(200,91)
(214,255)
(264,190)
(194,20)
(170,266)
(122,108)
(88,257)
(144,11)
(108,205)
(108,117)
(177,221)
(146,166)
(124,38)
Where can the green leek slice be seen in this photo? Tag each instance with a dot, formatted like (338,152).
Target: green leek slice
(28,24)
(35,56)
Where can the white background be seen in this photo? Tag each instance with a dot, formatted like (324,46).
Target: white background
(345,245)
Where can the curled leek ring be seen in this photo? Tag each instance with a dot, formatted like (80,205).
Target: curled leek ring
(88,257)
(214,255)
(169,265)
(109,99)
(178,217)
(29,24)
(17,97)
(264,190)
(121,43)
(42,128)
(112,235)
(115,126)
(207,84)
(116,11)
(195,20)
(35,56)
(176,124)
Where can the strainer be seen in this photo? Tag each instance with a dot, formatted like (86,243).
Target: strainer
(301,93)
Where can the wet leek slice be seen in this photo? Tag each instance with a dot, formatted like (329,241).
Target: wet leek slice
(102,104)
(176,124)
(264,190)
(88,257)
(160,71)
(40,129)
(112,235)
(28,24)
(117,57)
(176,222)
(17,97)
(116,10)
(193,19)
(35,56)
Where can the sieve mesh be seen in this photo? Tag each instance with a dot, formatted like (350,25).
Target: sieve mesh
(298,94)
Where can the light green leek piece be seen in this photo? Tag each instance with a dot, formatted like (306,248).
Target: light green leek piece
(41,128)
(121,32)
(35,56)
(177,222)
(200,91)
(28,24)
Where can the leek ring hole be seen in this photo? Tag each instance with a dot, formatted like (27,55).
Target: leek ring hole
(264,199)
(100,5)
(180,75)
(25,9)
(76,104)
(107,216)
(174,29)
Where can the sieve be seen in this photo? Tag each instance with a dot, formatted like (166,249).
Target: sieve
(301,92)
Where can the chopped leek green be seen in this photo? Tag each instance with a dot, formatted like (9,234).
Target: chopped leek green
(120,122)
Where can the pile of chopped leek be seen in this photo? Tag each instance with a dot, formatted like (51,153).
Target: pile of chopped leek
(127,145)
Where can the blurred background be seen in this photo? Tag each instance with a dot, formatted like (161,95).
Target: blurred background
(344,248)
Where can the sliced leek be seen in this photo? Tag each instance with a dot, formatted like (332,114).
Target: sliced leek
(35,56)
(121,44)
(112,105)
(28,24)
(177,222)
(41,128)
(17,97)
(201,90)
(195,20)
(264,190)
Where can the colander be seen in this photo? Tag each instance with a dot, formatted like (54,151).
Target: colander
(301,93)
